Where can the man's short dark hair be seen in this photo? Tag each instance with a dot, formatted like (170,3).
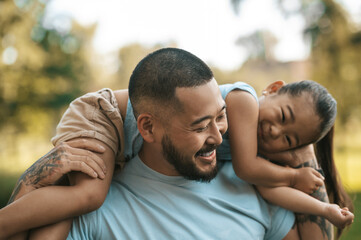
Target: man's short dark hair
(156,77)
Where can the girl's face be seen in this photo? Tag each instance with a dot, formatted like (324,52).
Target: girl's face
(286,122)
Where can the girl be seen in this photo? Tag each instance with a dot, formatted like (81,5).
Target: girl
(280,121)
(289,117)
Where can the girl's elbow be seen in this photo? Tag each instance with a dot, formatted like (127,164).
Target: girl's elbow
(265,192)
(246,174)
(92,200)
(95,200)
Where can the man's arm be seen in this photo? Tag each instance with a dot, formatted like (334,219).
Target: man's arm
(311,226)
(293,234)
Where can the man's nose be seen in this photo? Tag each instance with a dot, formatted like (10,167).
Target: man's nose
(216,134)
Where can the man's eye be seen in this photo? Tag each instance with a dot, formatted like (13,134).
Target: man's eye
(220,117)
(202,129)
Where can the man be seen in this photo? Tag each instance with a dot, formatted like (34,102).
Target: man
(181,118)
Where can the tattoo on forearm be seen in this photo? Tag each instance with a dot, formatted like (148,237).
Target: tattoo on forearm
(320,194)
(41,169)
(323,224)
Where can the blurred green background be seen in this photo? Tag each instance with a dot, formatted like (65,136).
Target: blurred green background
(43,69)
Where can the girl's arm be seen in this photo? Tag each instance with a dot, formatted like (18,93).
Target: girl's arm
(51,204)
(242,114)
(57,231)
(299,202)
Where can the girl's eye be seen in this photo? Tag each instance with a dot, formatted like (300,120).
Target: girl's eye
(289,141)
(283,116)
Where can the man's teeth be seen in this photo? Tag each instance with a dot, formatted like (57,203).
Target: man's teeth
(207,154)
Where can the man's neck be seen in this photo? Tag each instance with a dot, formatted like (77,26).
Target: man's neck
(154,159)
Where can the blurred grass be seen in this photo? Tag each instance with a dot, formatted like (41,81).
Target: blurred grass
(7,183)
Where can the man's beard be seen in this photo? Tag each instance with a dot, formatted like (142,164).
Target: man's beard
(185,165)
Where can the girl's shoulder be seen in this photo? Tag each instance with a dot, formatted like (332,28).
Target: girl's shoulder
(241,100)
(241,104)
(227,88)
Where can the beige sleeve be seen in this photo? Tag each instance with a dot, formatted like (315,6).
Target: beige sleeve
(94,115)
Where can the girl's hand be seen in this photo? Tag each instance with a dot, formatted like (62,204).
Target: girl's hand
(307,179)
(75,155)
(340,217)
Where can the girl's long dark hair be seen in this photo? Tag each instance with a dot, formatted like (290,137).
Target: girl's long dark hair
(335,190)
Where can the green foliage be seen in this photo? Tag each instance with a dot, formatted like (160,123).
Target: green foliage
(41,68)
(128,57)
(336,58)
(7,183)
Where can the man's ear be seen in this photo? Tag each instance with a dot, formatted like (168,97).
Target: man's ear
(145,123)
(273,87)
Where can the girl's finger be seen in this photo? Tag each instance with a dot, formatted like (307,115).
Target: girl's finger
(318,182)
(82,152)
(81,167)
(82,163)
(86,143)
(318,174)
(91,163)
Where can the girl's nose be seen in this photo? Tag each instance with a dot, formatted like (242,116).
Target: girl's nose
(275,131)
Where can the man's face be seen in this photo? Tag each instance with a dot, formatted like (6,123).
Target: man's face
(190,140)
(286,122)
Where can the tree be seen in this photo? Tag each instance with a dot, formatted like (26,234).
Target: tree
(128,57)
(259,45)
(41,69)
(335,58)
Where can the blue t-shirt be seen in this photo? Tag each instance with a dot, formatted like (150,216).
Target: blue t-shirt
(144,204)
